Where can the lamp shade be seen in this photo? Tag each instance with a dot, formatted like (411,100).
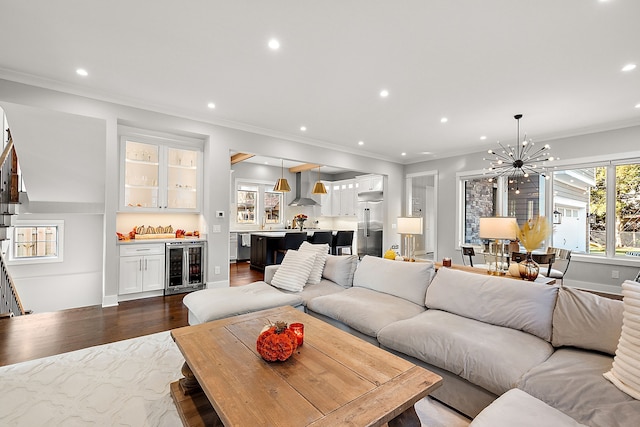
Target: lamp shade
(282,186)
(498,228)
(319,188)
(410,225)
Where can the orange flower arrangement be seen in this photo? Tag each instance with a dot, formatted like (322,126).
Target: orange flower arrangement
(277,342)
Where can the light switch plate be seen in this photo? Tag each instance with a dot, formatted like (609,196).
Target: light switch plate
(216,228)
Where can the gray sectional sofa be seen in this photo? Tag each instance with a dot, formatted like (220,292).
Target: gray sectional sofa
(518,349)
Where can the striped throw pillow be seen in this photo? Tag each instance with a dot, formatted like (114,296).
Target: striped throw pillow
(294,271)
(625,373)
(322,252)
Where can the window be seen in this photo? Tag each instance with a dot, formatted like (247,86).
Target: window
(36,242)
(627,209)
(505,196)
(257,203)
(246,206)
(272,205)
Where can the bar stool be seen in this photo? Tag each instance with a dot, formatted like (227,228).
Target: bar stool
(341,241)
(320,237)
(289,241)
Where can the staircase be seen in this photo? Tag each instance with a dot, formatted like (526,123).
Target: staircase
(10,304)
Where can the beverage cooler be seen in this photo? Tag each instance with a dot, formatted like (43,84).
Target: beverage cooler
(186,266)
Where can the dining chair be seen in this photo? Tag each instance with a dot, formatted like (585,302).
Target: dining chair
(470,252)
(563,257)
(289,241)
(320,237)
(342,240)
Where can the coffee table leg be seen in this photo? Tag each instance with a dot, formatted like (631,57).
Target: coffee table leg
(188,384)
(408,418)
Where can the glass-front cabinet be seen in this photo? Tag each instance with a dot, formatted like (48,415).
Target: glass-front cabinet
(159,177)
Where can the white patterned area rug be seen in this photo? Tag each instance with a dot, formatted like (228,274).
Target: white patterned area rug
(120,384)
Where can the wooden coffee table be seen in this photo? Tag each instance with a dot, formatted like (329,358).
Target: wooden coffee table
(333,379)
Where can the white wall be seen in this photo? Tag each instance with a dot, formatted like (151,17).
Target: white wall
(74,282)
(583,272)
(218,143)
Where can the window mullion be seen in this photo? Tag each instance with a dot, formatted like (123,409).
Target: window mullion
(611,212)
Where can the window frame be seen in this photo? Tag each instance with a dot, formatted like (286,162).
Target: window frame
(58,224)
(263,187)
(608,161)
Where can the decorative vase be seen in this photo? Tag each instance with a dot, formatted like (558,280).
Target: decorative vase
(529,268)
(301,223)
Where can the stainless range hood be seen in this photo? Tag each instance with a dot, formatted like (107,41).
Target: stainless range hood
(302,188)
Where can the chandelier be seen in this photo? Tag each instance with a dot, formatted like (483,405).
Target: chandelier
(518,161)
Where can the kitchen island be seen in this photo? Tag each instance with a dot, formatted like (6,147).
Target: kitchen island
(265,243)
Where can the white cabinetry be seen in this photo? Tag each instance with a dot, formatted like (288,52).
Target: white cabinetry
(141,268)
(159,177)
(348,198)
(369,182)
(233,246)
(326,200)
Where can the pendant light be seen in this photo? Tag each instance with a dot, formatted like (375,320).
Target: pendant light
(282,186)
(319,187)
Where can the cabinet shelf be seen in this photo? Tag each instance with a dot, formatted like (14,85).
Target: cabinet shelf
(184,167)
(141,162)
(141,187)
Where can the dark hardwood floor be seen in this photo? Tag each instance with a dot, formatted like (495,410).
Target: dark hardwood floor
(45,334)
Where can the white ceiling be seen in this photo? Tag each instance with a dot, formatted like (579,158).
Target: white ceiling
(476,62)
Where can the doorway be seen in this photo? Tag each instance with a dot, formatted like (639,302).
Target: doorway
(421,201)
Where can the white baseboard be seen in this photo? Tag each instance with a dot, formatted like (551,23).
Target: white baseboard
(109,300)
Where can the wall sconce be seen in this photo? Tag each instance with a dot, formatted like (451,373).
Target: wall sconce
(557,217)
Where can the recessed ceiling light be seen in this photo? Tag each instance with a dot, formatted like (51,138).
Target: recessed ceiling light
(426,152)
(444,120)
(483,137)
(637,105)
(360,142)
(82,72)
(274,44)
(403,154)
(384,93)
(211,105)
(303,128)
(629,67)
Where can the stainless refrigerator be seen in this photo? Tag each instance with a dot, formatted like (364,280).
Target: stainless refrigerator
(370,220)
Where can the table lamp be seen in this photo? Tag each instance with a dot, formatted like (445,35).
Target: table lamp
(409,226)
(497,229)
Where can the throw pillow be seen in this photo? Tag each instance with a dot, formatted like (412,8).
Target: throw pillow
(322,252)
(340,269)
(294,270)
(625,372)
(585,320)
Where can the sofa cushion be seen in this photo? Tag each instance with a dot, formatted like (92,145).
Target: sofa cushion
(585,320)
(211,304)
(517,408)
(571,381)
(321,251)
(625,373)
(340,269)
(363,309)
(325,287)
(294,270)
(489,356)
(408,280)
(515,304)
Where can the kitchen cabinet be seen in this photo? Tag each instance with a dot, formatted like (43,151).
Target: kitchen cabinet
(369,183)
(258,252)
(141,268)
(348,198)
(326,200)
(342,198)
(159,178)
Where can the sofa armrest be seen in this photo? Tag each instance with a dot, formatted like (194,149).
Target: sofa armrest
(269,272)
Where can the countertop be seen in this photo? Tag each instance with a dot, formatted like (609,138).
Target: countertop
(162,241)
(281,233)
